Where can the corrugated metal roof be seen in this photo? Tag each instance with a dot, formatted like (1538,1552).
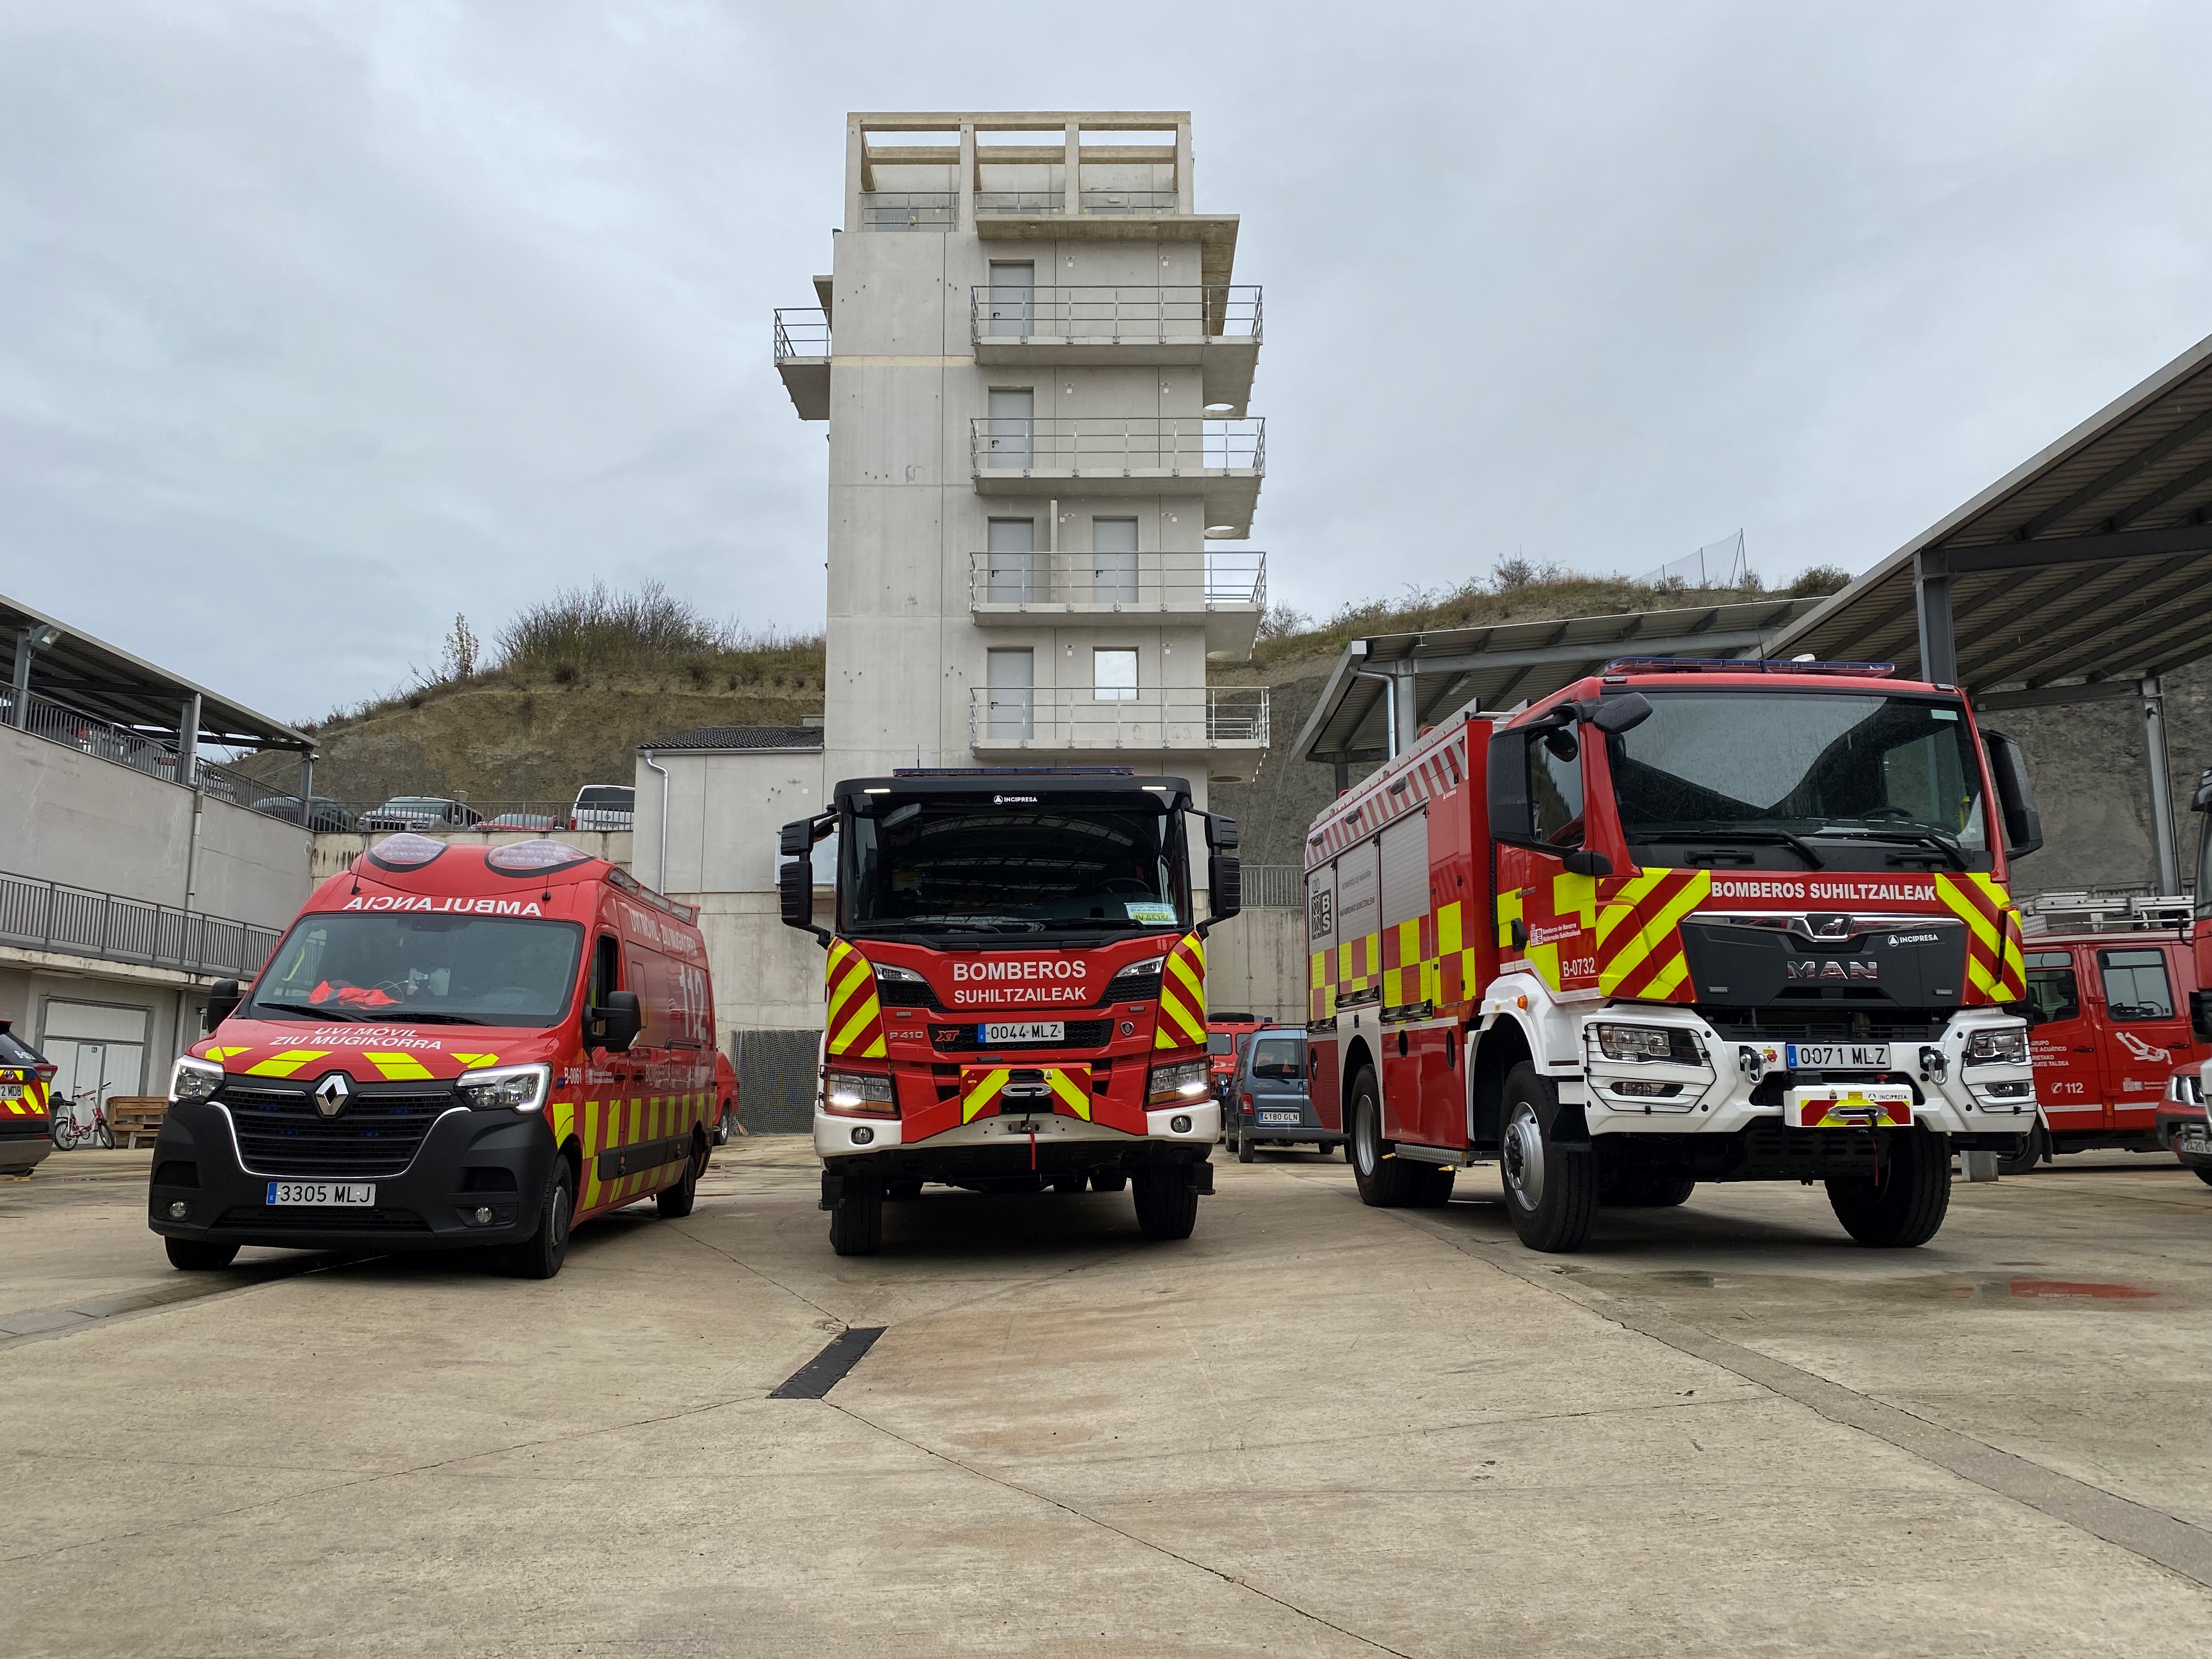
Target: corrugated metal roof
(708,738)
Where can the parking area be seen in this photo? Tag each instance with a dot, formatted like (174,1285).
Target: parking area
(1313,1429)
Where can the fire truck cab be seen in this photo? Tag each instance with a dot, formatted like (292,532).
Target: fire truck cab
(1015,989)
(1678,922)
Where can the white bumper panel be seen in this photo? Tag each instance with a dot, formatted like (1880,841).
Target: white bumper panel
(833,1134)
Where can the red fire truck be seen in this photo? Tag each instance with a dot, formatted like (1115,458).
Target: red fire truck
(1015,989)
(1680,922)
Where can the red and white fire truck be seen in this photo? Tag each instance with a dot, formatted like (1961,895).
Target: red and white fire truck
(1015,989)
(1680,922)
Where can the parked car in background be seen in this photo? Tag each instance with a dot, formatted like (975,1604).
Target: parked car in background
(2181,1123)
(26,1087)
(536,822)
(1225,1037)
(325,815)
(1268,1104)
(420,812)
(724,1123)
(604,807)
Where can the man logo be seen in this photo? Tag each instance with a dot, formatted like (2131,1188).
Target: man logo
(1804,968)
(331,1094)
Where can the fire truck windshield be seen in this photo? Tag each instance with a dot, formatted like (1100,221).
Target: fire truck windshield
(1843,779)
(1053,866)
(420,969)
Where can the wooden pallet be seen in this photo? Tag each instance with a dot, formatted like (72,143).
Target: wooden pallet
(137,1119)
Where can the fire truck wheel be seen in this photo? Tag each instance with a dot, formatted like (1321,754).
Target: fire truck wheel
(903,1189)
(1109,1181)
(1634,1189)
(1432,1186)
(1384,1183)
(2201,1173)
(540,1255)
(1073,1181)
(2032,1152)
(1551,1191)
(1905,1205)
(195,1255)
(1167,1202)
(856,1222)
(675,1202)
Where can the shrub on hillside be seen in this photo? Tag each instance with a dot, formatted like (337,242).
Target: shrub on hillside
(1819,579)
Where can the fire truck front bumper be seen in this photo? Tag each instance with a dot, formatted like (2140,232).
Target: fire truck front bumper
(1197,1124)
(1666,1071)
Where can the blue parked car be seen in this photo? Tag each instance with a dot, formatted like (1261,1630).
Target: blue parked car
(1268,1103)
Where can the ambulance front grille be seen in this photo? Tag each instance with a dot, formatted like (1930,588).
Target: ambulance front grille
(280,1133)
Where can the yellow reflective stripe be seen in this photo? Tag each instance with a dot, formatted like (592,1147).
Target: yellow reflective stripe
(982,1094)
(1977,919)
(1074,1095)
(1664,982)
(285,1064)
(398,1068)
(472,1061)
(592,1150)
(223,1053)
(854,1027)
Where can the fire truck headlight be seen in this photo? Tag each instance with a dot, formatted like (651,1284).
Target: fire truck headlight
(1644,1042)
(1137,982)
(194,1079)
(858,1092)
(509,1088)
(1999,1045)
(1170,1085)
(890,973)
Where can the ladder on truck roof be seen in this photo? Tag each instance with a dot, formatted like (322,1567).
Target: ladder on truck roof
(2105,910)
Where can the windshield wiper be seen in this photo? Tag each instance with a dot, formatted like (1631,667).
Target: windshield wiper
(1755,837)
(1925,837)
(1105,922)
(349,1015)
(415,1017)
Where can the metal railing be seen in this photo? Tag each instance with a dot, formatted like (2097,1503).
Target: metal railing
(801,331)
(1129,201)
(1084,717)
(439,815)
(57,722)
(49,915)
(1109,444)
(909,209)
(1133,581)
(1021,201)
(1088,201)
(1133,316)
(1273,887)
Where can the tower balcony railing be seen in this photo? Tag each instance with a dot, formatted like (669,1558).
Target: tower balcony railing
(1130,316)
(801,331)
(1087,201)
(909,209)
(1084,719)
(1110,445)
(1199,580)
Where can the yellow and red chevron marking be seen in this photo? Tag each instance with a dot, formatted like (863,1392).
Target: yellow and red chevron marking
(289,1062)
(1559,917)
(1181,1023)
(1639,939)
(1995,971)
(981,1086)
(855,1024)
(32,1102)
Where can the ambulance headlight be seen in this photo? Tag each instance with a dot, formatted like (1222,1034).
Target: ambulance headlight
(2000,1045)
(1172,1085)
(194,1079)
(859,1091)
(509,1088)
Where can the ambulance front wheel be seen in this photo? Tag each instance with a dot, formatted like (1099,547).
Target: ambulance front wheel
(1551,1190)
(856,1219)
(194,1255)
(540,1255)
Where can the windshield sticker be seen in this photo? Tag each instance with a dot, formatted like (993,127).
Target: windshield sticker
(1152,912)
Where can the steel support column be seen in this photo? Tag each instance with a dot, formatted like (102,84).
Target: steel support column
(308,789)
(1939,653)
(188,742)
(18,707)
(1406,710)
(2161,786)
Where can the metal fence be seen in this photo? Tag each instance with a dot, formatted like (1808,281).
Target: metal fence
(1136,581)
(435,816)
(47,916)
(801,331)
(1086,718)
(1111,444)
(909,209)
(1130,315)
(1088,201)
(57,722)
(1275,887)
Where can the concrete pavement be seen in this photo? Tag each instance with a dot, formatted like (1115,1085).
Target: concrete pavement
(1313,1429)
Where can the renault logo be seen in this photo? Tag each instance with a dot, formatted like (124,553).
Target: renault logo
(331,1094)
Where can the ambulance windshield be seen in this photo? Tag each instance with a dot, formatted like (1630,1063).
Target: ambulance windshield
(1817,777)
(420,969)
(1040,867)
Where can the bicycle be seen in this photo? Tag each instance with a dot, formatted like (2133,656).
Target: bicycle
(68,1134)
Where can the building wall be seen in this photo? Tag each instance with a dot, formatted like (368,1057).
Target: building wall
(164,1009)
(1255,961)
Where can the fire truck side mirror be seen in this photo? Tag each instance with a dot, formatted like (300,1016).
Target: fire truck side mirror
(2200,1014)
(796,838)
(1512,813)
(2202,800)
(1225,884)
(794,887)
(223,997)
(1220,832)
(1583,862)
(2023,824)
(1621,714)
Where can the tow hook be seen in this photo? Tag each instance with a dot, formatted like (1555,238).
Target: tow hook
(1933,1066)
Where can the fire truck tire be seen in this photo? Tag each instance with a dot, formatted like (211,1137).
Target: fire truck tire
(675,1202)
(1075,1181)
(1905,1205)
(1432,1186)
(1627,1189)
(903,1189)
(540,1255)
(195,1255)
(856,1221)
(2032,1152)
(1109,1181)
(1167,1202)
(1551,1190)
(1384,1183)
(2201,1173)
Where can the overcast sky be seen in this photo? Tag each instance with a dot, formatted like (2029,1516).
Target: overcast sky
(320,323)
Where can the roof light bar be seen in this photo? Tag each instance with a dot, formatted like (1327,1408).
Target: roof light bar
(1744,665)
(406,851)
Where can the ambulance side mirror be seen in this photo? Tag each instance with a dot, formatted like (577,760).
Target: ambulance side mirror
(2023,824)
(615,1023)
(223,997)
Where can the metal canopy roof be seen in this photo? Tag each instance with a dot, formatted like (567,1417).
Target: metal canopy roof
(97,678)
(2075,574)
(1505,663)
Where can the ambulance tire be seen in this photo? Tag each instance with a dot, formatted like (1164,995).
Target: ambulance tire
(1551,1190)
(1167,1202)
(540,1255)
(1109,1181)
(856,1220)
(1384,1183)
(2032,1152)
(1905,1207)
(675,1202)
(196,1256)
